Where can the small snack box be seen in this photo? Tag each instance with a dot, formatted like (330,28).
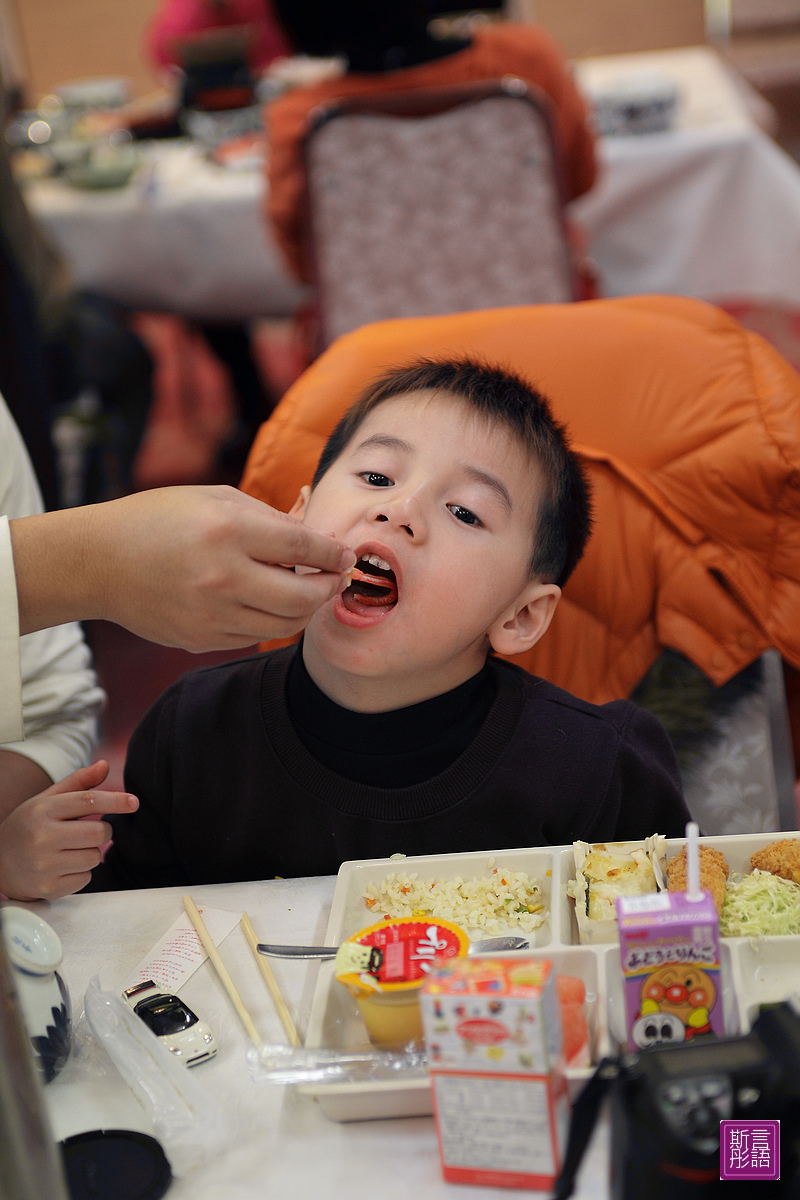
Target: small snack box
(670,957)
(493,1032)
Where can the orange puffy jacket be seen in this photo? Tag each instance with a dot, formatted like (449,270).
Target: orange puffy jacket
(690,428)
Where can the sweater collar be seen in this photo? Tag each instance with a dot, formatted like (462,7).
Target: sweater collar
(385,732)
(365,801)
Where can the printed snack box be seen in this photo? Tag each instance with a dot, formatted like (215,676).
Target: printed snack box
(493,1032)
(670,957)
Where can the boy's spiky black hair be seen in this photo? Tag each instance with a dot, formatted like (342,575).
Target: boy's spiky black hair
(564,508)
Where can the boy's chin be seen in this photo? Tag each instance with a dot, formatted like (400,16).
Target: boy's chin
(333,655)
(342,642)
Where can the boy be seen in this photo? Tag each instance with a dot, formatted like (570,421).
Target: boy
(391,729)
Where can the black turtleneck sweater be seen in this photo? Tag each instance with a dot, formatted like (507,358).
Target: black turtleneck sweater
(387,749)
(233,787)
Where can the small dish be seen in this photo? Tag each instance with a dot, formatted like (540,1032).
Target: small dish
(106,92)
(102,173)
(69,152)
(32,944)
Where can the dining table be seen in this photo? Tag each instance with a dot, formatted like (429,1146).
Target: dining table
(708,207)
(185,235)
(271,1139)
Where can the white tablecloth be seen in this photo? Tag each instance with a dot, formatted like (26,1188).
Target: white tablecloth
(710,209)
(184,236)
(281,1145)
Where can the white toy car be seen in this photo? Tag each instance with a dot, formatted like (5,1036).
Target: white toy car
(182,1032)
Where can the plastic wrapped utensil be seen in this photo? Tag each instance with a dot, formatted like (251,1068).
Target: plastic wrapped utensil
(299,1064)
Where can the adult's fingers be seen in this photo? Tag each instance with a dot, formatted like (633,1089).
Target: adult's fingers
(287,593)
(276,602)
(280,537)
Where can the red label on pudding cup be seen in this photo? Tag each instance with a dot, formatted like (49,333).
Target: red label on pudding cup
(410,947)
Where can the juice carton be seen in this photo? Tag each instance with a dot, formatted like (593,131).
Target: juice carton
(493,1032)
(670,957)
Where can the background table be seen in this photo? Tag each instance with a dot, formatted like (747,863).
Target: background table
(709,209)
(183,236)
(282,1145)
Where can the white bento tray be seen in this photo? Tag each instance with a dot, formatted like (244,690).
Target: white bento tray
(753,972)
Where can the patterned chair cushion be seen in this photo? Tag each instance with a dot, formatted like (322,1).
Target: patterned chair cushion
(733,742)
(423,215)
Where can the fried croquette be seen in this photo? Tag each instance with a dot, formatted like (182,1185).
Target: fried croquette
(713,874)
(779,858)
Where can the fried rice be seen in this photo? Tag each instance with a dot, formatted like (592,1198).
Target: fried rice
(497,902)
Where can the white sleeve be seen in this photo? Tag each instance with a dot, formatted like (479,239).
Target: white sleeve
(61,699)
(10,682)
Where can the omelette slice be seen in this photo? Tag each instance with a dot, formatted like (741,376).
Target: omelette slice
(610,869)
(609,875)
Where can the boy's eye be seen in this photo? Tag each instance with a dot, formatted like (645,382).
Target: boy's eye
(463,514)
(375,479)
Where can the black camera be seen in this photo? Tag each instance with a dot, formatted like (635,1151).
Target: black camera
(667,1103)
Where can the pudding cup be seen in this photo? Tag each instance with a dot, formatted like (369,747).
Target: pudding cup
(401,953)
(392,1018)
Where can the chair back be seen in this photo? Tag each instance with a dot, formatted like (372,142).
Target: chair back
(437,201)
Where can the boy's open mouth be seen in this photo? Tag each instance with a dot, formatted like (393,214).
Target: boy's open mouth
(373,585)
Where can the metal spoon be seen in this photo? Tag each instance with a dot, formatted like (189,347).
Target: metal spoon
(485,946)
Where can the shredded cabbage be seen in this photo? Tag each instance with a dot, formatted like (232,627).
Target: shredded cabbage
(760,904)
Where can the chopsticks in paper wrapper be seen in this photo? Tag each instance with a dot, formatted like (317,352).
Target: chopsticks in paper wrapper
(293,1063)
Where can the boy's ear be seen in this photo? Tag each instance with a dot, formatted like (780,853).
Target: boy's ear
(521,626)
(299,506)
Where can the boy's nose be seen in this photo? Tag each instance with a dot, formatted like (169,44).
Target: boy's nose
(404,513)
(407,528)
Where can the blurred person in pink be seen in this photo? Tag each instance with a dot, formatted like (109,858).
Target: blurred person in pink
(218,48)
(180,20)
